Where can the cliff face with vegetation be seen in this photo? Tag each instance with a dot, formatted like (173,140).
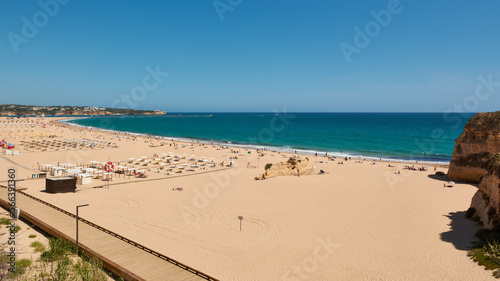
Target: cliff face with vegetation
(475,147)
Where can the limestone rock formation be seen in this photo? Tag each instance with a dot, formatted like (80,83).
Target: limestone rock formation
(485,204)
(474,148)
(293,167)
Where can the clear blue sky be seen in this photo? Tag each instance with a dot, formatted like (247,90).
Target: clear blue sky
(255,56)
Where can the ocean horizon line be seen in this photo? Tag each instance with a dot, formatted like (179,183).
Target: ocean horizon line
(268,112)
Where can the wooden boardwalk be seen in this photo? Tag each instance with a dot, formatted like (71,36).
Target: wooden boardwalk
(123,257)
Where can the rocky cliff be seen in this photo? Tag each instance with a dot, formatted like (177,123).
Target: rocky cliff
(485,204)
(295,166)
(475,147)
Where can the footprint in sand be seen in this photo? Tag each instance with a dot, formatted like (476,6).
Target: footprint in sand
(193,217)
(255,227)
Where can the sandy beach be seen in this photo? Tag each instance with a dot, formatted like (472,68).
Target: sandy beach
(359,221)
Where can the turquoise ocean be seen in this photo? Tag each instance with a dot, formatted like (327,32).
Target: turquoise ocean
(423,137)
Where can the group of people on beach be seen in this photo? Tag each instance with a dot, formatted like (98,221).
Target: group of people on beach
(418,168)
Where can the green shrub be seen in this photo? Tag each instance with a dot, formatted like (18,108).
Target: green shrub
(24,262)
(487,251)
(59,260)
(63,267)
(4,221)
(58,249)
(4,258)
(20,268)
(17,228)
(38,246)
(89,269)
(32,236)
(492,250)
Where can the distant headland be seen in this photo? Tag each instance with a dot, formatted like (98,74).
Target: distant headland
(60,110)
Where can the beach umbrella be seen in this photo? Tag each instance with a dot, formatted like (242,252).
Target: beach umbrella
(90,170)
(73,171)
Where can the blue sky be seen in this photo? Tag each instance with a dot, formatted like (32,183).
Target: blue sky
(242,55)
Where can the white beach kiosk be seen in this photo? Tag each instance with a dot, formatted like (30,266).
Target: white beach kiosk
(57,171)
(84,178)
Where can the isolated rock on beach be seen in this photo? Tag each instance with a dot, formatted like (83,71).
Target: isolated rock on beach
(295,166)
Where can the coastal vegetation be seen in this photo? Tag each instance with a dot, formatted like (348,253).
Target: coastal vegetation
(4,221)
(38,247)
(58,261)
(16,229)
(486,251)
(32,110)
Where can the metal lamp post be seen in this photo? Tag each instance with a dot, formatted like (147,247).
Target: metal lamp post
(85,205)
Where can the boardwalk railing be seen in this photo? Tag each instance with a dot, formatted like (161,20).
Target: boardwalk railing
(131,242)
